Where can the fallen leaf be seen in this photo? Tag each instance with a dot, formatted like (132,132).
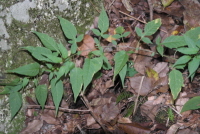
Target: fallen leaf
(33,126)
(87,45)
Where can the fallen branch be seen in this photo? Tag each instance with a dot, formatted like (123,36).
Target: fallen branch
(60,109)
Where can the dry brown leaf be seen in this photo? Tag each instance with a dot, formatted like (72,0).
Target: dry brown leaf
(146,85)
(173,129)
(133,128)
(49,117)
(100,101)
(87,45)
(142,61)
(33,126)
(162,69)
(110,112)
(149,109)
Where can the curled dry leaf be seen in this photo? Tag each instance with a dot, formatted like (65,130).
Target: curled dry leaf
(162,69)
(133,128)
(33,126)
(49,117)
(173,129)
(87,45)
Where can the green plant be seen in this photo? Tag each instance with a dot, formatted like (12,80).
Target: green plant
(58,62)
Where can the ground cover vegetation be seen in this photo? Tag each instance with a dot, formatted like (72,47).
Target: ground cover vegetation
(129,74)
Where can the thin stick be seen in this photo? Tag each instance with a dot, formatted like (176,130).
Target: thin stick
(136,101)
(84,99)
(140,20)
(60,109)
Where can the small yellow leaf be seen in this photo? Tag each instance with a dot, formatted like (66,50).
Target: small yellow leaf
(110,38)
(152,73)
(175,32)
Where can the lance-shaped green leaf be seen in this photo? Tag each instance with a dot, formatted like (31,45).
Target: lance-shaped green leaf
(146,40)
(191,43)
(53,58)
(193,66)
(68,28)
(41,94)
(151,27)
(122,74)
(25,82)
(63,50)
(175,82)
(15,101)
(57,92)
(96,32)
(27,70)
(174,41)
(47,41)
(103,22)
(185,50)
(90,67)
(193,34)
(192,104)
(139,31)
(120,59)
(76,80)
(182,60)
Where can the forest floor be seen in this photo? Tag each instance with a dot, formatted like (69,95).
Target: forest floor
(143,105)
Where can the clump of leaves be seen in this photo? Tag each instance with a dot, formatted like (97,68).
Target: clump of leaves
(55,60)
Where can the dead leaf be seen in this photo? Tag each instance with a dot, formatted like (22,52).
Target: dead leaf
(33,126)
(173,129)
(87,45)
(152,74)
(49,117)
(162,69)
(133,128)
(110,112)
(146,85)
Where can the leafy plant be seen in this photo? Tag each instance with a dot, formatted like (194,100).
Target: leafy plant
(55,60)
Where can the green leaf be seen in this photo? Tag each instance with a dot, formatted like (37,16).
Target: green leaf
(193,34)
(139,31)
(47,41)
(114,42)
(96,32)
(116,36)
(15,101)
(40,52)
(125,34)
(63,51)
(122,74)
(41,93)
(160,50)
(73,47)
(182,60)
(53,58)
(79,38)
(182,66)
(96,52)
(151,27)
(105,36)
(76,80)
(174,41)
(185,50)
(131,71)
(159,47)
(90,67)
(27,70)
(175,82)
(68,28)
(193,66)
(25,82)
(6,90)
(57,92)
(103,22)
(120,59)
(146,40)
(192,104)
(70,65)
(190,42)
(119,30)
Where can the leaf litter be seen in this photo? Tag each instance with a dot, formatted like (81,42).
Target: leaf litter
(152,94)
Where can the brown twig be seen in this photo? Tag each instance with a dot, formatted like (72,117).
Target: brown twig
(136,101)
(84,99)
(60,109)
